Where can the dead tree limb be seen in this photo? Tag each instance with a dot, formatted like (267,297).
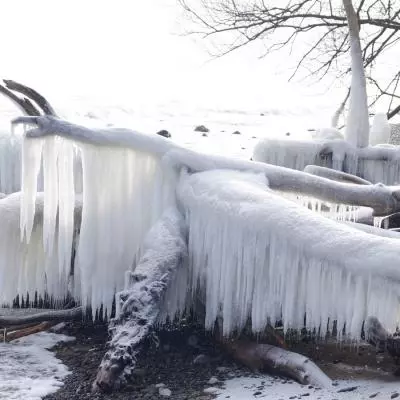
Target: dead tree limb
(279,361)
(335,175)
(382,199)
(377,335)
(17,334)
(24,104)
(138,307)
(32,94)
(53,316)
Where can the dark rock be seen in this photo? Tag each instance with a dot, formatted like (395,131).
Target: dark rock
(204,135)
(287,133)
(164,133)
(262,115)
(373,395)
(201,128)
(193,341)
(395,395)
(257,393)
(236,133)
(347,389)
(201,359)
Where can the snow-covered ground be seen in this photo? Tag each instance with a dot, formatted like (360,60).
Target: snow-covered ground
(264,387)
(28,370)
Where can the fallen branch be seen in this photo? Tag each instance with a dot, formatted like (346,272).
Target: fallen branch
(278,361)
(24,104)
(335,175)
(43,326)
(138,307)
(383,199)
(53,316)
(33,95)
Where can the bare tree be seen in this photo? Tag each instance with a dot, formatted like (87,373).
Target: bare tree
(280,24)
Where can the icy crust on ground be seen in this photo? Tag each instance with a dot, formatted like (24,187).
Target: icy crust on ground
(265,387)
(28,370)
(256,254)
(124,193)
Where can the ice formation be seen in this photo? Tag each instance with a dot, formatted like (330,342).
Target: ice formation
(380,130)
(255,254)
(252,253)
(10,162)
(124,192)
(289,153)
(25,268)
(377,164)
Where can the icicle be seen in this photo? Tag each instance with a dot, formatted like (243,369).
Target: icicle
(256,254)
(66,205)
(31,153)
(50,173)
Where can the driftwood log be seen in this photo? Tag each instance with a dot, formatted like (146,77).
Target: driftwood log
(378,336)
(264,357)
(335,175)
(40,316)
(138,307)
(32,94)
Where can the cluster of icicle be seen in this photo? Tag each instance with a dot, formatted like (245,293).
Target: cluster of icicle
(124,193)
(337,212)
(297,154)
(254,255)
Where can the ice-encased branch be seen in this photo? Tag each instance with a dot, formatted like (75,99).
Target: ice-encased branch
(383,199)
(139,306)
(258,254)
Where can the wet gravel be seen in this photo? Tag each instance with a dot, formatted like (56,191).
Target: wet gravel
(180,361)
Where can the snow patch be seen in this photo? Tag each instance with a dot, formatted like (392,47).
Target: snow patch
(28,370)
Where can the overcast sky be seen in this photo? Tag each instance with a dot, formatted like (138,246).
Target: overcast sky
(130,46)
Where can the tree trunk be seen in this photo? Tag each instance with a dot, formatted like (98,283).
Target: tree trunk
(138,307)
(357,129)
(52,315)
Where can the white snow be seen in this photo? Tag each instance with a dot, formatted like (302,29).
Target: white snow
(327,134)
(28,370)
(266,387)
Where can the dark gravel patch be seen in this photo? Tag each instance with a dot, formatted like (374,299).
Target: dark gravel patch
(182,358)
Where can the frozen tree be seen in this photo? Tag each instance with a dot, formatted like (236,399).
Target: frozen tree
(320,24)
(357,127)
